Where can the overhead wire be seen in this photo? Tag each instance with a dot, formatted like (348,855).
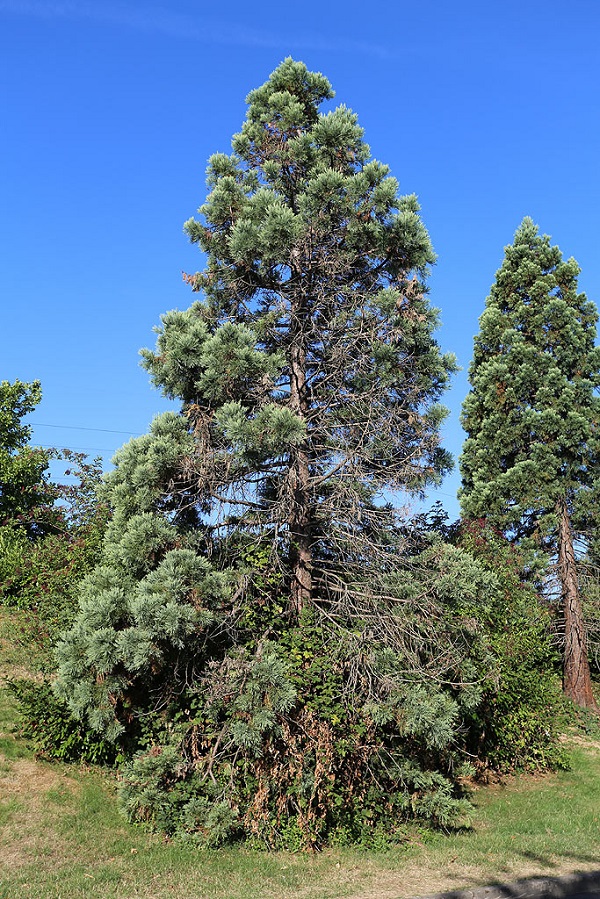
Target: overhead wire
(41,424)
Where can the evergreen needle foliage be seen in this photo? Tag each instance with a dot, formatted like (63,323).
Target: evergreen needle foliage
(531,461)
(293,662)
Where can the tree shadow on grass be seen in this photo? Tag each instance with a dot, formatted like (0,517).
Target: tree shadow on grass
(537,886)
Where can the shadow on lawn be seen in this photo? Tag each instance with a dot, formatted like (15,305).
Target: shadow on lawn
(536,887)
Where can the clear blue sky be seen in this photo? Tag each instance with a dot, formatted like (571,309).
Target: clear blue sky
(489,111)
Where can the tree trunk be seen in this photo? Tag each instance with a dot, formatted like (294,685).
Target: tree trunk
(300,536)
(577,682)
(300,513)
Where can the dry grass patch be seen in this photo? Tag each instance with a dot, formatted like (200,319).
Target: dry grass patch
(63,836)
(27,834)
(524,827)
(19,658)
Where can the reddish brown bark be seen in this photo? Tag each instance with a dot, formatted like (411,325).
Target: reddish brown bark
(300,536)
(577,682)
(299,518)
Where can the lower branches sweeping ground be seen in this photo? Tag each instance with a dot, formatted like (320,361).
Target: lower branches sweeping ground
(62,834)
(287,660)
(367,713)
(313,775)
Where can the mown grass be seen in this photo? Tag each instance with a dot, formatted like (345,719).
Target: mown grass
(62,837)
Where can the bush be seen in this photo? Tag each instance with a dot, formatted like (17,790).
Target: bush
(273,732)
(14,552)
(276,755)
(306,740)
(251,727)
(516,726)
(54,732)
(43,577)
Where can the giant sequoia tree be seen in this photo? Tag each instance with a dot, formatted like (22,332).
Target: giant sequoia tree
(308,374)
(531,461)
(255,599)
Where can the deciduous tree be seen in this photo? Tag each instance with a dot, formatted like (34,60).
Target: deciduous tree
(25,493)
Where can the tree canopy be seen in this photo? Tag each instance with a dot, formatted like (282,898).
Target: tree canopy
(308,375)
(25,493)
(531,460)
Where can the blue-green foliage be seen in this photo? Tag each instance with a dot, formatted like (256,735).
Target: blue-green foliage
(284,736)
(145,465)
(309,380)
(138,617)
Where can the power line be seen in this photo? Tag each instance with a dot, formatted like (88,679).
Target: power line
(41,424)
(99,449)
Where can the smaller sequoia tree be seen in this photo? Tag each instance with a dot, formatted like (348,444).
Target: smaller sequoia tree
(531,461)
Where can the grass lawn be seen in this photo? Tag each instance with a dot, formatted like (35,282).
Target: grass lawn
(62,837)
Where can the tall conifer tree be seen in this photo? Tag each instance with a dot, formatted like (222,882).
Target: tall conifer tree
(308,373)
(254,598)
(531,461)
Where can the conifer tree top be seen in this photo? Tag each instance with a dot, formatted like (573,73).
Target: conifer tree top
(531,415)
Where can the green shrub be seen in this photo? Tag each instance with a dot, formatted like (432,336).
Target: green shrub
(517,724)
(14,551)
(259,729)
(53,731)
(274,749)
(43,577)
(163,792)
